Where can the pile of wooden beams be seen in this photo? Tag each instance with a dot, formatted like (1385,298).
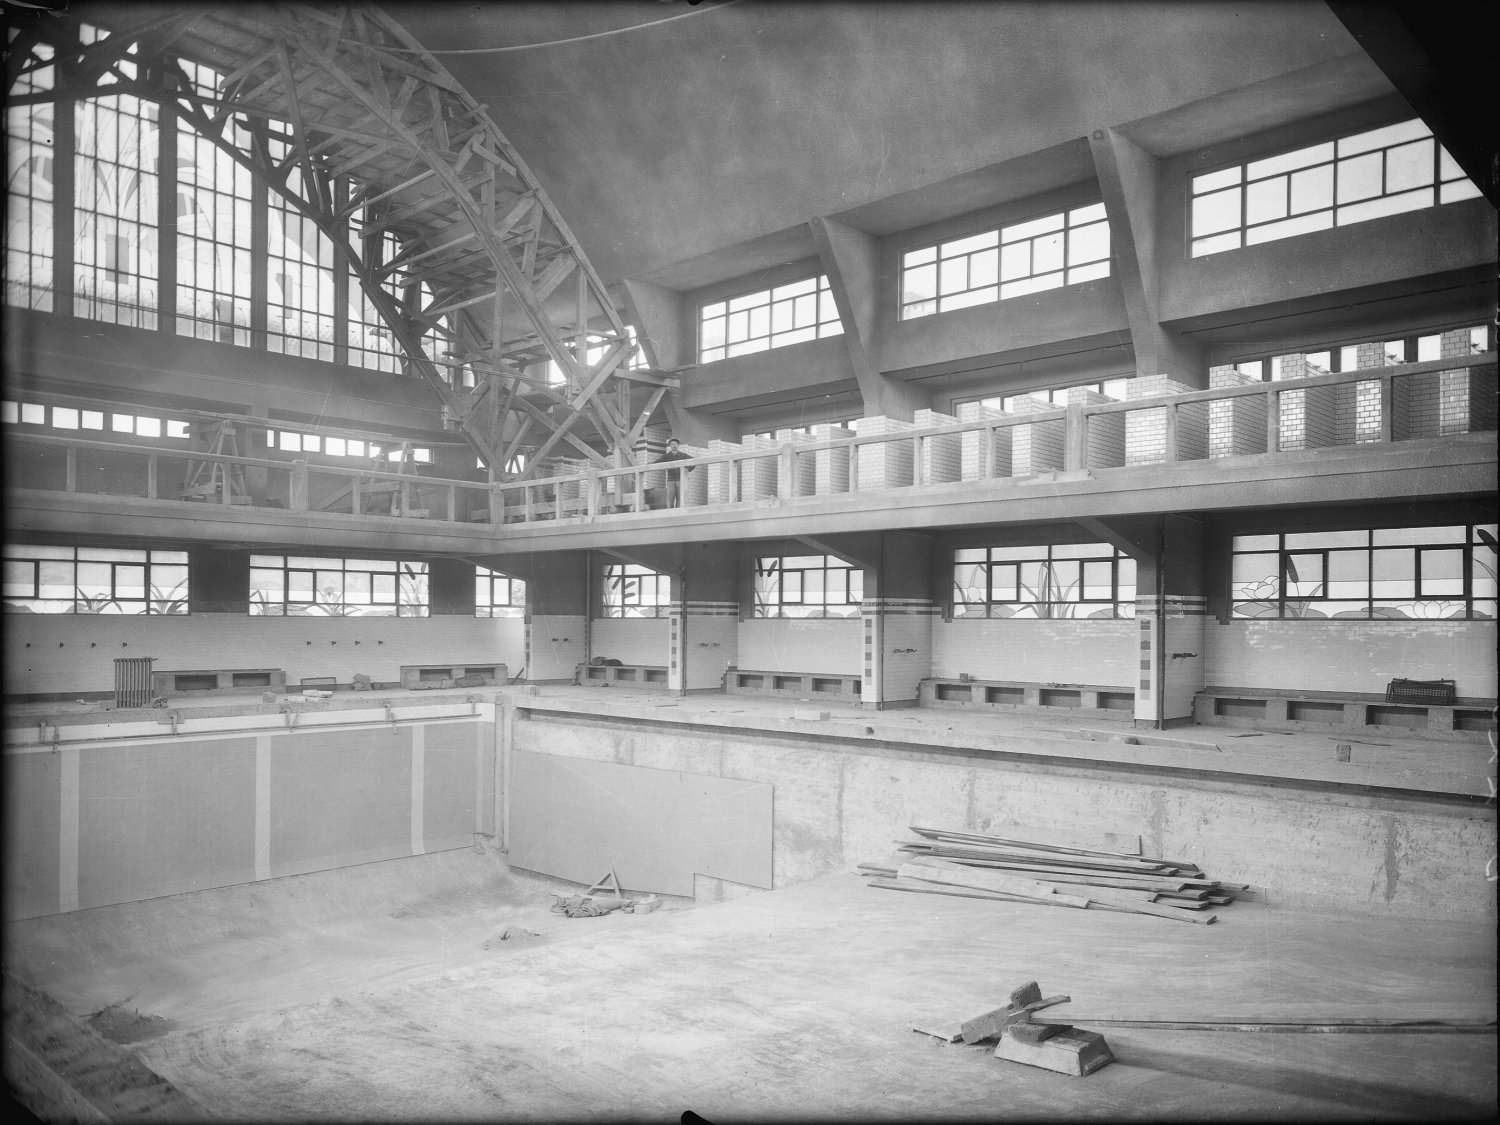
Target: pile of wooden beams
(1016,869)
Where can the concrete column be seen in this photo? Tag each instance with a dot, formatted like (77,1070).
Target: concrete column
(710,617)
(897,614)
(851,259)
(1130,183)
(557,601)
(1169,609)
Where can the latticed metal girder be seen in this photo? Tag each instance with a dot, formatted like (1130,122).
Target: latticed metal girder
(350,120)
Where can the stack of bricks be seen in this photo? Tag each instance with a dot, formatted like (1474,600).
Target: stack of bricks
(1466,397)
(758,474)
(804,477)
(723,476)
(940,455)
(1105,433)
(1036,447)
(1357,405)
(1307,417)
(694,481)
(831,466)
(567,467)
(883,464)
(1146,430)
(1236,426)
(648,447)
(970,444)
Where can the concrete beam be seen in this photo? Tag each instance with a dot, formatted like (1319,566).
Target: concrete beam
(663,558)
(851,259)
(1138,536)
(862,550)
(658,315)
(1130,183)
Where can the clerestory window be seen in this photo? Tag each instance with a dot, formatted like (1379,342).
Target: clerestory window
(1368,175)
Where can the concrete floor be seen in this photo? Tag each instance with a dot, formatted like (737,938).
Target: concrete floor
(385,992)
(382,992)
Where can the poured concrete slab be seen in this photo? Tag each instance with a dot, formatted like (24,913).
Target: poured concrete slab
(372,994)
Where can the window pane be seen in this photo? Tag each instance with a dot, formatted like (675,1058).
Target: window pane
(1047,253)
(1301,158)
(1216,212)
(1212,181)
(1003,583)
(1349,574)
(1387,135)
(1328,539)
(919,284)
(1032,228)
(1266,200)
(1409,166)
(1015,261)
(1442,573)
(1088,244)
(1254,576)
(1312,189)
(130,582)
(1403,536)
(1359,178)
(1393,573)
(970,244)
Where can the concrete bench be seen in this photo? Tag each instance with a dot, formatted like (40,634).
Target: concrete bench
(184,680)
(622,675)
(1272,709)
(415,677)
(799,685)
(1016,695)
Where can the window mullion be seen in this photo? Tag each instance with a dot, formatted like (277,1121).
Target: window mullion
(166,206)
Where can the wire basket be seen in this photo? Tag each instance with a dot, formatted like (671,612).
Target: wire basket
(1435,692)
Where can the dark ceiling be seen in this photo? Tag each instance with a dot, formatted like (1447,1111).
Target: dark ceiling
(684,143)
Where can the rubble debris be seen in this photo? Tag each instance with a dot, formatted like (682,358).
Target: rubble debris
(1024,1000)
(1071,1051)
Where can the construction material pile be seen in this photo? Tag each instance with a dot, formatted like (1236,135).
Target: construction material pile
(974,865)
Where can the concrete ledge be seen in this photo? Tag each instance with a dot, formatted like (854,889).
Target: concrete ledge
(1467,719)
(797,685)
(622,675)
(1088,700)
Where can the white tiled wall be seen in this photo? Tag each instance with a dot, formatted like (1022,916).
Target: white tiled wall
(68,652)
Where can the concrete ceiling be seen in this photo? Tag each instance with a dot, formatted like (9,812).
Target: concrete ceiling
(670,135)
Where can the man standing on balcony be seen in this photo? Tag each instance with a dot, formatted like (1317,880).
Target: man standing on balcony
(674,476)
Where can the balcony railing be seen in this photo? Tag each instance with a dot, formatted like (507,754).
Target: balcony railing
(1365,407)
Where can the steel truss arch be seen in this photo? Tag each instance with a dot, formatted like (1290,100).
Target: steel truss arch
(378,129)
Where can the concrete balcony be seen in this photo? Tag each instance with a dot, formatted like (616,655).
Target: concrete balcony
(1162,453)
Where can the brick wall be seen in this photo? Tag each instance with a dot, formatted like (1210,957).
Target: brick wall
(1146,430)
(941,459)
